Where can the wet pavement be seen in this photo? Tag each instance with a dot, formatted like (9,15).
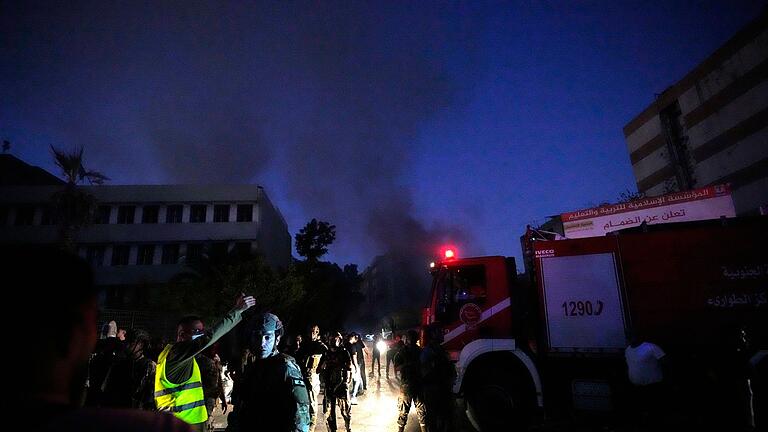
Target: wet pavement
(376,411)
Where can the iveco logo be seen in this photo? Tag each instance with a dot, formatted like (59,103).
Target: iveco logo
(545,253)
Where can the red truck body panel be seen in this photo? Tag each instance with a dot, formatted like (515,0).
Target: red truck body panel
(695,285)
(686,285)
(679,284)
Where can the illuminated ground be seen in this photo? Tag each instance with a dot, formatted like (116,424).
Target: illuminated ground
(376,411)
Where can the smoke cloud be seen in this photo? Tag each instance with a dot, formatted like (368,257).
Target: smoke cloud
(329,96)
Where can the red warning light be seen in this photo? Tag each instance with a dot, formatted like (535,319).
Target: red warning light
(448,252)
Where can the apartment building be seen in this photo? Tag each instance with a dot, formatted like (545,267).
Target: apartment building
(144,234)
(711,127)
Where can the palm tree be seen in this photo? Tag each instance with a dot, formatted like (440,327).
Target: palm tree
(73,207)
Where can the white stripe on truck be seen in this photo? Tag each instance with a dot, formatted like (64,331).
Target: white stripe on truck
(493,310)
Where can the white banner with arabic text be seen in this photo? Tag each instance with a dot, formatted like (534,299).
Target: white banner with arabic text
(712,208)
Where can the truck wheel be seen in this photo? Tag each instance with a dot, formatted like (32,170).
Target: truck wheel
(498,403)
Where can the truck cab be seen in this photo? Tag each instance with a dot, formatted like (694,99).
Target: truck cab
(482,311)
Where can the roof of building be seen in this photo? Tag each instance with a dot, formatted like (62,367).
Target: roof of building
(15,172)
(144,194)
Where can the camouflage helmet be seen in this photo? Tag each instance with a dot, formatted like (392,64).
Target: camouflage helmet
(267,323)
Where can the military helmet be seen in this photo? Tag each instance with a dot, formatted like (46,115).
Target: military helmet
(267,323)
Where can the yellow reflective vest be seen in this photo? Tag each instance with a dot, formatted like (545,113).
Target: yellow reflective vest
(185,400)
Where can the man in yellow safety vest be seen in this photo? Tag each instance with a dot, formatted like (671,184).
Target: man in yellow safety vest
(178,384)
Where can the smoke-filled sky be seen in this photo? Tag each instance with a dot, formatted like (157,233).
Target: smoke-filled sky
(405,124)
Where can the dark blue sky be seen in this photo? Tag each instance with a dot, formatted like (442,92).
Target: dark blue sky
(405,125)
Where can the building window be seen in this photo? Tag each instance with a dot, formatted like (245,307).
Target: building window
(94,254)
(149,214)
(245,213)
(125,214)
(146,255)
(219,250)
(197,214)
(24,215)
(49,217)
(243,249)
(170,254)
(120,255)
(102,214)
(194,252)
(221,213)
(173,214)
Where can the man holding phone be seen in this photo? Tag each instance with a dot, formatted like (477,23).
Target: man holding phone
(178,383)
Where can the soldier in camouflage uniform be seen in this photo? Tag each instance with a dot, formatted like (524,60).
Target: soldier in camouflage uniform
(309,359)
(271,396)
(336,367)
(408,367)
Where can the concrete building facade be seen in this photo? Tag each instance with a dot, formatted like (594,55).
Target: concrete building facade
(711,127)
(143,235)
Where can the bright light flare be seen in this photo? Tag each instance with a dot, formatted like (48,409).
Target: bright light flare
(432,264)
(448,252)
(381,346)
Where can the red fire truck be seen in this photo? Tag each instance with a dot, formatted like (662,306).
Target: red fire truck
(553,341)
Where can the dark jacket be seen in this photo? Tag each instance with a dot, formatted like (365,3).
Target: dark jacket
(407,364)
(336,366)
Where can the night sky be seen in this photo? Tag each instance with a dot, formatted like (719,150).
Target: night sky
(405,125)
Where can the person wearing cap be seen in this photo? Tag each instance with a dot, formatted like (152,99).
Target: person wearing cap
(178,382)
(336,366)
(132,375)
(143,369)
(272,394)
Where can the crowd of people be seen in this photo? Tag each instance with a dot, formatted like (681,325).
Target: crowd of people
(124,380)
(79,379)
(333,364)
(271,390)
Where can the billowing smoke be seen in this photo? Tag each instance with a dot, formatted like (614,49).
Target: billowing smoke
(331,97)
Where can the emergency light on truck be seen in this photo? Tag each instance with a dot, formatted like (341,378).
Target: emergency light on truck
(448,252)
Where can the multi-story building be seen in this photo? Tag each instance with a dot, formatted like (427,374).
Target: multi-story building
(711,127)
(143,235)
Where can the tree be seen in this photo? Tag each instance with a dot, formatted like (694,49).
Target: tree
(313,240)
(73,170)
(73,208)
(209,284)
(333,294)
(629,196)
